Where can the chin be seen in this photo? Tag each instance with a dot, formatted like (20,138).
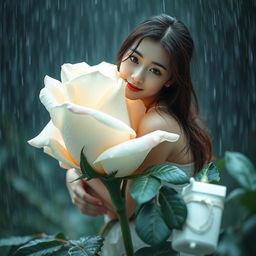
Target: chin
(130,95)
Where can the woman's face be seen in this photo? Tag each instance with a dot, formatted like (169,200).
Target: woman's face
(146,70)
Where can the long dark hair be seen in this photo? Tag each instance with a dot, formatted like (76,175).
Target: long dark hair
(176,39)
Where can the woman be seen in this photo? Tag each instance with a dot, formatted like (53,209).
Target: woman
(154,60)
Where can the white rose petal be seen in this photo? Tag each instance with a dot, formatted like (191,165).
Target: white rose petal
(50,139)
(99,116)
(71,71)
(106,69)
(128,156)
(53,93)
(89,90)
(84,127)
(114,104)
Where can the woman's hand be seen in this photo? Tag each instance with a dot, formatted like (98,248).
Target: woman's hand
(83,196)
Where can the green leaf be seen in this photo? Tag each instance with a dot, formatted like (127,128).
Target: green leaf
(220,163)
(80,178)
(168,173)
(173,207)
(165,249)
(248,200)
(86,168)
(233,203)
(241,169)
(59,236)
(15,240)
(111,175)
(134,176)
(88,246)
(39,247)
(235,194)
(150,226)
(143,189)
(209,174)
(61,252)
(77,251)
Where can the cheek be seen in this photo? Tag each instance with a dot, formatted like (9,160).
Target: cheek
(155,85)
(124,70)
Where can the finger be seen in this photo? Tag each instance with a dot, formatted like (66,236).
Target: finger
(92,214)
(85,196)
(80,199)
(92,200)
(79,191)
(92,211)
(73,187)
(81,203)
(93,193)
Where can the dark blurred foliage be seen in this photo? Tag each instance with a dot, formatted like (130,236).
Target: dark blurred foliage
(238,228)
(38,36)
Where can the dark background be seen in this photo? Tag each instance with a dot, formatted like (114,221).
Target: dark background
(38,36)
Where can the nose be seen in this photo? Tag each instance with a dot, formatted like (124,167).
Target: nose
(138,75)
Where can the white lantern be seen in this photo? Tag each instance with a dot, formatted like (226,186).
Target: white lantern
(205,203)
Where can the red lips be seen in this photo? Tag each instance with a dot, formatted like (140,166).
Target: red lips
(133,88)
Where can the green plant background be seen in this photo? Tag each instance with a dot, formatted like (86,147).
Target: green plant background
(38,36)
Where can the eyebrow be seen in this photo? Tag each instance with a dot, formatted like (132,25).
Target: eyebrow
(154,62)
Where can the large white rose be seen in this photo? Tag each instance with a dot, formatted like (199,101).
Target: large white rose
(88,110)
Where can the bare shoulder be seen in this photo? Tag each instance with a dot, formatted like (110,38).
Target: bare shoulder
(159,120)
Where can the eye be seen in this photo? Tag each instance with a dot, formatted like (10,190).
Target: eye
(155,71)
(134,59)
